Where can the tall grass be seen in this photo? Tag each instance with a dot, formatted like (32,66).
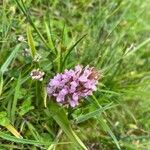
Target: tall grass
(112,36)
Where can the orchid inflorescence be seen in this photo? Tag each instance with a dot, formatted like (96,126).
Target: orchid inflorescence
(72,85)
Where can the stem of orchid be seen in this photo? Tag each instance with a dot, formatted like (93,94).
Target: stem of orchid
(70,111)
(13,131)
(45,98)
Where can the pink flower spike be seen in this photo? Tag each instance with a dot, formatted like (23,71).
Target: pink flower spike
(72,85)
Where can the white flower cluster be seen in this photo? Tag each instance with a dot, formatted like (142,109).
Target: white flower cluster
(36,74)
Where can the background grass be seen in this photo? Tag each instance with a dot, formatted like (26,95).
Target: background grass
(113,36)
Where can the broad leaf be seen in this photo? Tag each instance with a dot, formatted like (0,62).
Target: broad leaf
(59,115)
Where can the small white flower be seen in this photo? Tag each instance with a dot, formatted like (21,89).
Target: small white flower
(25,52)
(21,38)
(36,74)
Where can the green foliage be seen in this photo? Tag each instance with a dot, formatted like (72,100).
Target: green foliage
(59,115)
(31,42)
(112,36)
(25,107)
(24,141)
(16,96)
(4,120)
(9,59)
(91,114)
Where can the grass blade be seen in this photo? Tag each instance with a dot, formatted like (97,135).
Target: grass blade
(24,10)
(104,124)
(50,39)
(31,42)
(70,50)
(16,95)
(92,114)
(107,129)
(4,67)
(59,115)
(1,84)
(13,131)
(138,47)
(19,140)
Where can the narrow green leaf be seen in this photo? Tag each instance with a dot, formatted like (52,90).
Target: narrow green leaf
(56,140)
(59,56)
(49,37)
(1,83)
(19,140)
(104,124)
(145,42)
(23,8)
(4,67)
(70,50)
(45,97)
(16,95)
(33,131)
(59,115)
(107,129)
(128,53)
(13,130)
(27,141)
(31,42)
(92,114)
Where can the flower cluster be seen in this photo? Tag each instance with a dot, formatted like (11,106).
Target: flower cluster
(72,85)
(36,74)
